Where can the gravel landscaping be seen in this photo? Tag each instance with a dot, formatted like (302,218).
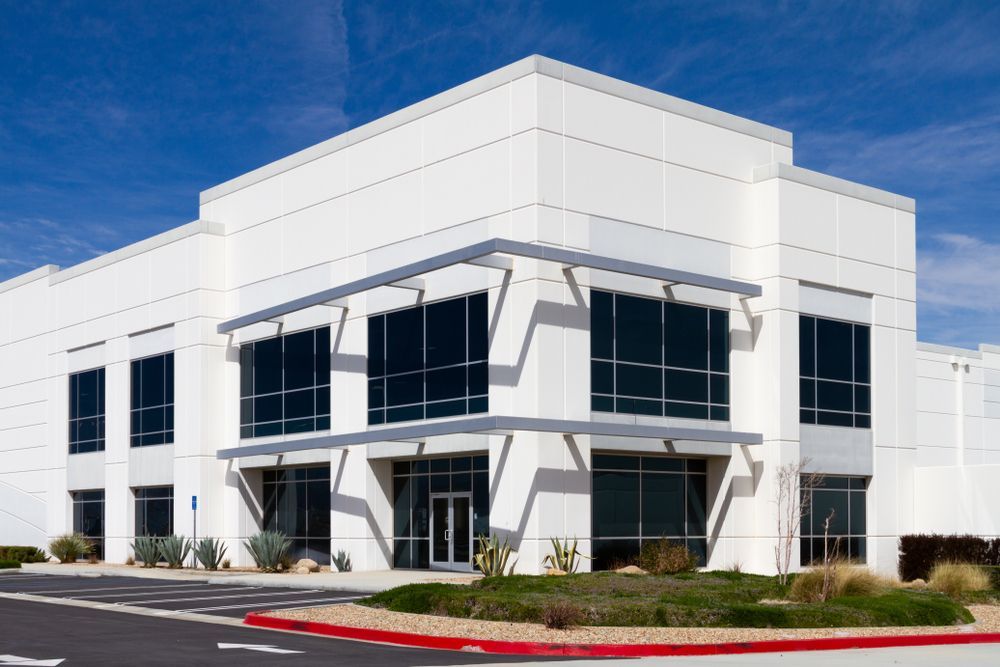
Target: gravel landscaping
(987,619)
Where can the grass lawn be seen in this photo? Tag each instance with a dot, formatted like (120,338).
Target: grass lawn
(700,599)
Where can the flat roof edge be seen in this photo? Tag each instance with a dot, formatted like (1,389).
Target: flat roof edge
(950,350)
(29,277)
(833,184)
(534,64)
(139,247)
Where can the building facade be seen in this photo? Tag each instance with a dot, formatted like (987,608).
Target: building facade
(545,303)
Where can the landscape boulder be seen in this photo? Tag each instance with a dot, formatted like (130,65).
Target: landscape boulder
(309,564)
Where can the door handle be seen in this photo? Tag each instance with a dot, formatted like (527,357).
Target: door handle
(447,534)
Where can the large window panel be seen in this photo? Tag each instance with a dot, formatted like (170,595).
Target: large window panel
(297,503)
(285,384)
(843,499)
(86,411)
(152,400)
(88,517)
(661,358)
(154,511)
(429,361)
(834,373)
(637,499)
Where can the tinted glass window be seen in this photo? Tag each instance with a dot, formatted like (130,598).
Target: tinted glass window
(154,511)
(86,411)
(429,361)
(835,373)
(667,499)
(841,500)
(297,503)
(152,402)
(285,384)
(88,517)
(652,357)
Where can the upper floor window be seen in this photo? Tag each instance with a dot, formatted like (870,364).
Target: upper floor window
(834,372)
(86,411)
(429,361)
(285,384)
(152,412)
(653,357)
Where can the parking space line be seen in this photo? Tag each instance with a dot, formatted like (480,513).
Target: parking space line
(137,603)
(114,588)
(172,591)
(168,612)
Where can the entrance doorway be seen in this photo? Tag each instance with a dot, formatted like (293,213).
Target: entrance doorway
(451,531)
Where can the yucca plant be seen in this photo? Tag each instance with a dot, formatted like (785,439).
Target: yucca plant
(67,548)
(175,550)
(564,556)
(492,556)
(147,549)
(342,561)
(268,548)
(210,553)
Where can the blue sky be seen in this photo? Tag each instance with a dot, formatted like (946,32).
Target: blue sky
(114,115)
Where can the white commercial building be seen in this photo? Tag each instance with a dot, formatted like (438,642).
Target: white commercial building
(545,303)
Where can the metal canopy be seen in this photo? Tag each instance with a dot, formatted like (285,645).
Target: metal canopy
(473,254)
(493,424)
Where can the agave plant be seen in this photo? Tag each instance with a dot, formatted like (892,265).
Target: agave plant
(565,556)
(492,556)
(67,548)
(147,549)
(268,548)
(342,561)
(175,550)
(210,553)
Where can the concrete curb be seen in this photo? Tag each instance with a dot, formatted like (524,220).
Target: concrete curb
(256,619)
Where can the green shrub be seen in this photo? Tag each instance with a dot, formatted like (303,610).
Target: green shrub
(666,557)
(956,579)
(69,547)
(10,564)
(560,615)
(342,561)
(210,553)
(268,549)
(175,549)
(918,554)
(564,557)
(492,556)
(147,549)
(23,554)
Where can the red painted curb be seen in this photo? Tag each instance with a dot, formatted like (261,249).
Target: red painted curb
(611,650)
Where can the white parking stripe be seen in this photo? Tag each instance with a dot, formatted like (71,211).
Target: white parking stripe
(136,603)
(112,588)
(169,592)
(168,612)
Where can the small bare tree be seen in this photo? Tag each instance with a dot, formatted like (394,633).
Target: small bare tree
(792,506)
(829,558)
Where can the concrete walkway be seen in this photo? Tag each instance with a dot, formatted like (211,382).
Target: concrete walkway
(359,582)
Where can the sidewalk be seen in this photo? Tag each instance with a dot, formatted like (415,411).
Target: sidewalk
(358,582)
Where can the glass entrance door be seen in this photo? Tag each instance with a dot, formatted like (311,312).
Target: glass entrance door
(451,531)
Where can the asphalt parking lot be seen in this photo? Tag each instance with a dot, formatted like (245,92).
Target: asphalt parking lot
(170,597)
(171,625)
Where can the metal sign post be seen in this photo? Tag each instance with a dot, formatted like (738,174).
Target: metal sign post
(194,539)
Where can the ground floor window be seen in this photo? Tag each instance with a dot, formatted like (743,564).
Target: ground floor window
(88,517)
(844,497)
(439,507)
(154,511)
(297,503)
(636,499)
